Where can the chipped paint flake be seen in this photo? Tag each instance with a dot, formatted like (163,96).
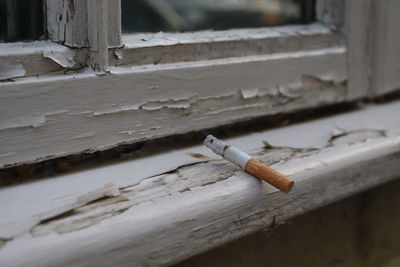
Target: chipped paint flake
(258,92)
(64,58)
(9,71)
(183,103)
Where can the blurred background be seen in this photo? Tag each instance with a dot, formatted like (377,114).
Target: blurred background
(194,15)
(22,20)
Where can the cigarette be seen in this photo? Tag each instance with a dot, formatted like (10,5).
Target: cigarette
(249,164)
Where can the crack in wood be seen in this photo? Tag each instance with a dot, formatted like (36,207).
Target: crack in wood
(182,179)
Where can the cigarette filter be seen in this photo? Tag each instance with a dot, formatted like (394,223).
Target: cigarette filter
(249,164)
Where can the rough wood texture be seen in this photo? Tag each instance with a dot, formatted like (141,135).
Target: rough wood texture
(362,231)
(149,48)
(98,34)
(68,21)
(114,23)
(82,112)
(188,205)
(386,54)
(38,58)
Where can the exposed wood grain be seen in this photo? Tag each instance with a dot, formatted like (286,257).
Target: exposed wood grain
(161,219)
(84,23)
(82,112)
(67,22)
(98,34)
(114,23)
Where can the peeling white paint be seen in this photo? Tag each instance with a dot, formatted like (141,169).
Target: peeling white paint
(202,203)
(257,92)
(160,48)
(20,59)
(63,58)
(186,97)
(8,71)
(167,103)
(167,39)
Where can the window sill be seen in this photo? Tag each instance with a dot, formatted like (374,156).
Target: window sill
(159,211)
(24,59)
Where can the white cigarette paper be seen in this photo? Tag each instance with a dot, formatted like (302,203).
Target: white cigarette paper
(249,164)
(228,152)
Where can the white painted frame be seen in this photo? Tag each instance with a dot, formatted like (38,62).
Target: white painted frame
(137,93)
(133,214)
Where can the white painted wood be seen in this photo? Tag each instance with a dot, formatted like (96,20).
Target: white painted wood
(158,48)
(386,54)
(360,44)
(331,12)
(20,59)
(49,117)
(114,23)
(285,69)
(161,219)
(98,34)
(67,22)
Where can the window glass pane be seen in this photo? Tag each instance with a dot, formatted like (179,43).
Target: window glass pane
(21,20)
(193,15)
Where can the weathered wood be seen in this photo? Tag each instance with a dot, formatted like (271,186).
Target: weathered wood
(98,34)
(359,42)
(114,23)
(82,112)
(67,22)
(161,216)
(331,12)
(149,48)
(386,54)
(38,58)
(76,23)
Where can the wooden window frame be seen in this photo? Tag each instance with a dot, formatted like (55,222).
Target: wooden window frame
(136,92)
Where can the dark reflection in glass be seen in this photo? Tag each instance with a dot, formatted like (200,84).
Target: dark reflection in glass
(21,20)
(194,15)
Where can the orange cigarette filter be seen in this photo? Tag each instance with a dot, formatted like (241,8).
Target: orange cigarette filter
(249,164)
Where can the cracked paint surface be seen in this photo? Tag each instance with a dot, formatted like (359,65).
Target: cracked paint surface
(181,100)
(198,197)
(184,179)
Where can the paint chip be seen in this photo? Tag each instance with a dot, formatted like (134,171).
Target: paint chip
(64,58)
